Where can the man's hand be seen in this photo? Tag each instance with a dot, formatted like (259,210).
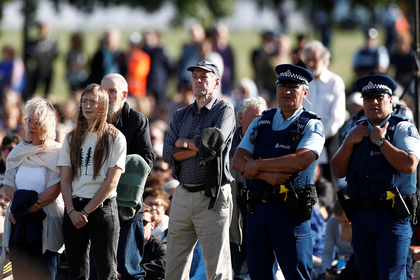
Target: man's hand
(356,136)
(378,132)
(274,178)
(250,169)
(180,143)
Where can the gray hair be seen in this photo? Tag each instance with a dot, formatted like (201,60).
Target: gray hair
(317,46)
(45,112)
(120,79)
(257,103)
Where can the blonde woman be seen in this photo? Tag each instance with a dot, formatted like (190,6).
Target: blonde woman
(92,160)
(32,182)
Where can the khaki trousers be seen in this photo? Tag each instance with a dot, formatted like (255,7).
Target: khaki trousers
(190,220)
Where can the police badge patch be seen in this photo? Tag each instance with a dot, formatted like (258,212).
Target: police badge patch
(413,132)
(319,128)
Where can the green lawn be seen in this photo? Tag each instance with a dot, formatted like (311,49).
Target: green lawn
(344,44)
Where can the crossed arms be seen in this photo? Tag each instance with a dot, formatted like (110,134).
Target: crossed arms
(274,171)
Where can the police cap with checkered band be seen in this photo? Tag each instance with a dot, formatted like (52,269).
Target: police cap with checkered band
(376,85)
(290,74)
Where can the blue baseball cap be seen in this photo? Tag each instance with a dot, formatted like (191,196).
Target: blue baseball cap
(376,85)
(206,65)
(290,74)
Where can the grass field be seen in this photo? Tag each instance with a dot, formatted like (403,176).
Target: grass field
(343,45)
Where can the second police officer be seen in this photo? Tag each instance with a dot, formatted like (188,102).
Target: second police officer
(379,158)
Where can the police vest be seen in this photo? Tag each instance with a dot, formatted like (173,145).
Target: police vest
(271,144)
(370,174)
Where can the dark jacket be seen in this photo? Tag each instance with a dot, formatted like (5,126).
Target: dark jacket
(135,127)
(160,69)
(154,258)
(211,155)
(29,225)
(98,68)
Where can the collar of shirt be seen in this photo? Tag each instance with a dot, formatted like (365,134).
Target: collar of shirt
(382,124)
(280,124)
(208,106)
(124,116)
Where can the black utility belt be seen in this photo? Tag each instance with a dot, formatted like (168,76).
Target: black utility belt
(392,199)
(296,201)
(363,203)
(382,203)
(282,195)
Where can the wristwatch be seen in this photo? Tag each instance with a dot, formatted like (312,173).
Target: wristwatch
(380,142)
(186,144)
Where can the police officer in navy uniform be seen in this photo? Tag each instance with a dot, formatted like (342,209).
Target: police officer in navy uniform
(277,156)
(379,158)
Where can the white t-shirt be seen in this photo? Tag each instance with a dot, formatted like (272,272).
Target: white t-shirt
(31,178)
(84,185)
(34,182)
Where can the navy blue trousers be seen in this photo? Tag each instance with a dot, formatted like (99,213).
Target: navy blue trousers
(381,242)
(272,232)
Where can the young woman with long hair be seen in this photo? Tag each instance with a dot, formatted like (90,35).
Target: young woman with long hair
(92,160)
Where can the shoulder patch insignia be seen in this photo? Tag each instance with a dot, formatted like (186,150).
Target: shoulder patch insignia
(412,132)
(319,128)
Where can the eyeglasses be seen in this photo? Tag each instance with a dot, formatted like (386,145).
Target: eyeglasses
(4,148)
(154,204)
(145,222)
(32,122)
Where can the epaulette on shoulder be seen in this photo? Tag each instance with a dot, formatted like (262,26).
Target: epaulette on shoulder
(269,110)
(400,117)
(311,114)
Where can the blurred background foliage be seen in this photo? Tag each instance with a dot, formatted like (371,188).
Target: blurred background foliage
(347,15)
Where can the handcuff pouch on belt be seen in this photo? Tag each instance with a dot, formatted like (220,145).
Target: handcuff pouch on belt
(413,204)
(391,199)
(295,200)
(346,204)
(398,205)
(307,198)
(242,198)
